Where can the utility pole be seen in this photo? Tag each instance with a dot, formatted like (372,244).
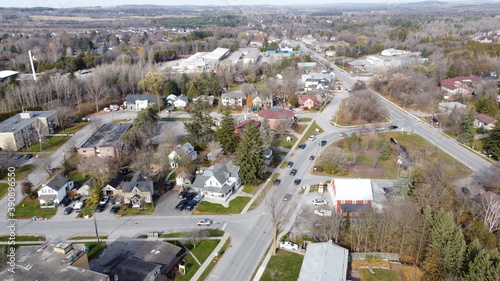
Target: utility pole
(95,225)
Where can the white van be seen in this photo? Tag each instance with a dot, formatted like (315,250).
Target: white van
(78,206)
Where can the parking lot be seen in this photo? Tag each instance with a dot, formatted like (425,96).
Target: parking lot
(167,202)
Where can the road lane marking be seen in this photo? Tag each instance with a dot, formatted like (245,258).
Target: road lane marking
(224,226)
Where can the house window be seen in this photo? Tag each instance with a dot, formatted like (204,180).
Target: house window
(84,151)
(342,202)
(365,201)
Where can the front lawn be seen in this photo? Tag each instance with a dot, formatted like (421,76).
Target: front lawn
(4,187)
(282,142)
(314,129)
(23,238)
(380,275)
(51,144)
(21,172)
(29,208)
(147,210)
(235,207)
(202,250)
(284,266)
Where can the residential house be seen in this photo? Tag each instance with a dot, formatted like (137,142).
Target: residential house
(26,128)
(104,143)
(112,189)
(328,75)
(54,191)
(63,261)
(185,150)
(259,101)
(240,127)
(137,192)
(459,85)
(170,99)
(218,182)
(324,261)
(181,101)
(351,195)
(306,101)
(232,99)
(481,120)
(184,179)
(268,156)
(279,118)
(138,102)
(316,84)
(209,99)
(307,66)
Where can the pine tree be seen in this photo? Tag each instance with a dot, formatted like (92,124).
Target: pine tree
(200,128)
(467,126)
(250,156)
(184,84)
(171,88)
(225,133)
(192,92)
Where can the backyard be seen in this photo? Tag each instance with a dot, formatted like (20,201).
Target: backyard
(283,267)
(202,251)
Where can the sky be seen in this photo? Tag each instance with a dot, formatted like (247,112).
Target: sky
(107,3)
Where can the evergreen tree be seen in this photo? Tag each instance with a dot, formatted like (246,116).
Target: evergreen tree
(479,268)
(171,88)
(184,84)
(445,251)
(192,92)
(225,133)
(492,144)
(250,156)
(266,133)
(467,134)
(200,128)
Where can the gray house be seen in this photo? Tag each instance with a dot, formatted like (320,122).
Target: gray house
(218,182)
(138,102)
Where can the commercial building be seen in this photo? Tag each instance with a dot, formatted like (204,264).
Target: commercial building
(324,262)
(26,128)
(104,142)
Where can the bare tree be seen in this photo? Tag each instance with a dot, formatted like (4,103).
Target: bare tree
(95,89)
(491,211)
(277,215)
(101,170)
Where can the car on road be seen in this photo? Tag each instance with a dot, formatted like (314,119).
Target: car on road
(293,172)
(302,146)
(115,209)
(297,181)
(288,245)
(104,200)
(289,164)
(100,208)
(168,185)
(28,156)
(381,128)
(343,135)
(318,201)
(204,222)
(19,156)
(323,213)
(68,210)
(365,130)
(277,182)
(387,190)
(311,157)
(322,143)
(312,137)
(287,197)
(393,127)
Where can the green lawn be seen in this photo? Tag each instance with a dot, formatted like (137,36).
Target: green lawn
(72,130)
(286,144)
(23,238)
(284,266)
(299,129)
(4,187)
(51,144)
(380,275)
(21,172)
(129,211)
(214,262)
(78,178)
(201,252)
(305,119)
(207,232)
(235,207)
(95,249)
(29,208)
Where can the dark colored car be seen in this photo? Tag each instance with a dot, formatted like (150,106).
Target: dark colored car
(293,172)
(302,146)
(100,208)
(76,197)
(289,164)
(322,143)
(28,156)
(387,190)
(115,209)
(65,202)
(189,207)
(311,157)
(393,127)
(68,210)
(181,206)
(168,185)
(191,195)
(183,194)
(277,182)
(297,181)
(19,156)
(287,197)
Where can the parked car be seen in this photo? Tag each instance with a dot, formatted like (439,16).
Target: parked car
(78,206)
(322,143)
(387,190)
(297,181)
(115,209)
(76,197)
(381,128)
(168,185)
(65,202)
(311,157)
(183,194)
(302,146)
(287,197)
(343,135)
(277,182)
(28,156)
(288,245)
(393,127)
(191,195)
(100,208)
(204,222)
(68,210)
(289,164)
(293,172)
(104,200)
(318,201)
(312,137)
(365,130)
(189,207)
(107,109)
(198,197)
(180,206)
(19,156)
(323,213)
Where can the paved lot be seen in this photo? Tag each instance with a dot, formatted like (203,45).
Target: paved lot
(114,254)
(167,202)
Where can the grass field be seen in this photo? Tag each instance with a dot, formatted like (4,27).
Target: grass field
(23,238)
(4,187)
(235,207)
(21,172)
(72,130)
(282,142)
(205,232)
(380,275)
(51,144)
(284,266)
(95,249)
(202,250)
(29,208)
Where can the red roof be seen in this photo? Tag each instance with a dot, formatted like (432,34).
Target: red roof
(304,98)
(276,113)
(454,83)
(242,125)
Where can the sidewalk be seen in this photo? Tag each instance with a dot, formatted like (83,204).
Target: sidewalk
(210,258)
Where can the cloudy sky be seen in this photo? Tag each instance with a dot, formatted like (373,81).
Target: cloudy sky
(87,3)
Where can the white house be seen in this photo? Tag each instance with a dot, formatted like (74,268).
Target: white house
(138,102)
(234,99)
(485,121)
(218,182)
(182,151)
(181,101)
(53,192)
